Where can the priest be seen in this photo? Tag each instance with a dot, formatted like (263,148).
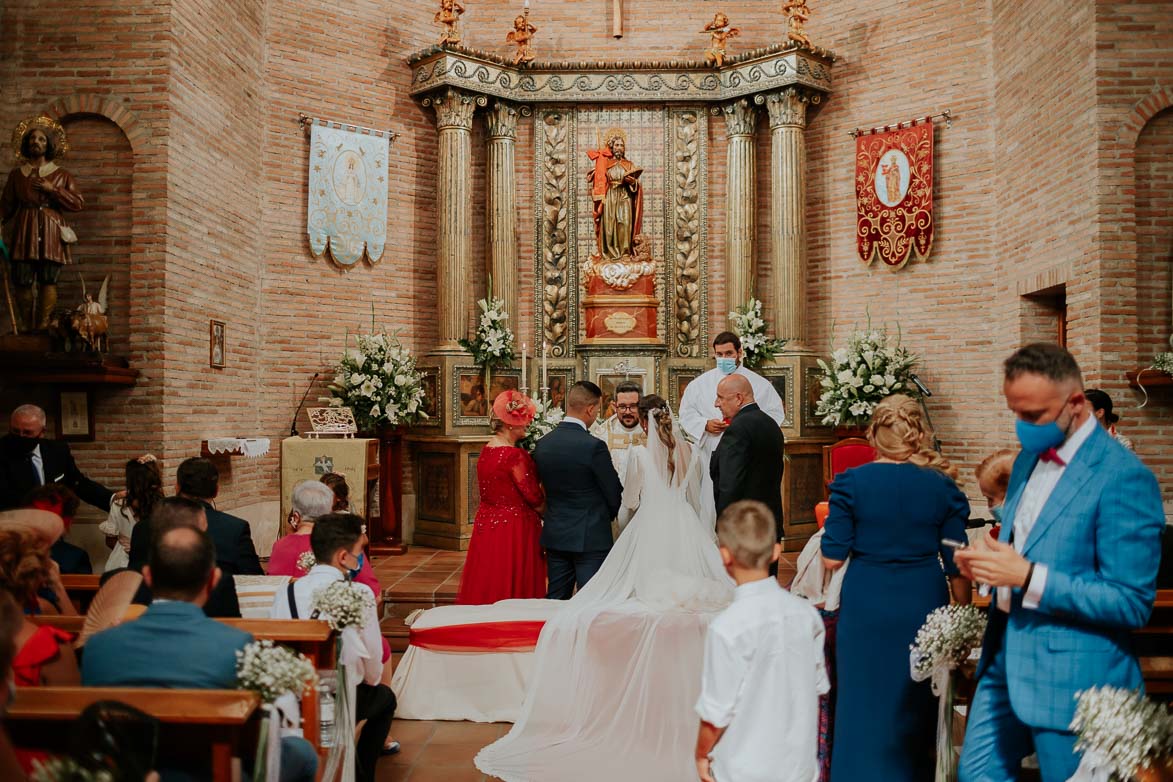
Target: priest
(622,430)
(698,415)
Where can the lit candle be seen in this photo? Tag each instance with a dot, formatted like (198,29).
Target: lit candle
(545,384)
(527,5)
(524,380)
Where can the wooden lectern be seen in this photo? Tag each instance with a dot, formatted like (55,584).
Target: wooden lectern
(308,459)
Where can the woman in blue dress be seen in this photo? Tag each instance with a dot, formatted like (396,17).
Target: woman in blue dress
(890,516)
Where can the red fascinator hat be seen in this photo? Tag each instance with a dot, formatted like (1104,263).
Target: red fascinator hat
(514,408)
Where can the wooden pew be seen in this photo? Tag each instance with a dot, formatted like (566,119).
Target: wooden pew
(70,624)
(41,717)
(81,589)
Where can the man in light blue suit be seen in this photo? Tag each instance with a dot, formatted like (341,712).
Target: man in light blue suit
(173,644)
(1074,571)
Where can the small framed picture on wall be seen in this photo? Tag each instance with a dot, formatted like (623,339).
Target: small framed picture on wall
(75,417)
(216,344)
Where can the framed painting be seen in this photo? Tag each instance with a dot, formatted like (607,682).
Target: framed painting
(432,407)
(75,417)
(677,382)
(472,402)
(560,381)
(216,344)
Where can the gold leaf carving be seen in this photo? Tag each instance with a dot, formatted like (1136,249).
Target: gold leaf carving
(688,235)
(555,222)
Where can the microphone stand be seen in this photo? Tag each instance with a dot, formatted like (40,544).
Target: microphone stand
(293,425)
(925,394)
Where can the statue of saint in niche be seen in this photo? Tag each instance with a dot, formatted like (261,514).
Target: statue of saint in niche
(618,198)
(32,206)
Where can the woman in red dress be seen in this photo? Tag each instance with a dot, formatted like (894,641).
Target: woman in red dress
(504,557)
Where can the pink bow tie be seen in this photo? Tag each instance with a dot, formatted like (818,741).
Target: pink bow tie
(1051,455)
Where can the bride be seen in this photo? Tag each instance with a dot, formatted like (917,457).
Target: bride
(616,671)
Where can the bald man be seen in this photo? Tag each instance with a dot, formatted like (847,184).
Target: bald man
(747,464)
(28,460)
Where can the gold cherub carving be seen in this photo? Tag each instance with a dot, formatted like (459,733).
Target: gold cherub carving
(449,17)
(522,35)
(797,15)
(719,33)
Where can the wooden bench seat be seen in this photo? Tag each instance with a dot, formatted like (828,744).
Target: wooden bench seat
(40,718)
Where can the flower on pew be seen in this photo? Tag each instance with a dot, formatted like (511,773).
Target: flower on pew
(342,606)
(271,670)
(67,770)
(945,640)
(1120,731)
(306,562)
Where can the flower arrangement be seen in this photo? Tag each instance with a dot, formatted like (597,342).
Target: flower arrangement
(756,347)
(1120,731)
(306,562)
(64,769)
(273,670)
(493,344)
(870,368)
(342,606)
(546,417)
(378,381)
(1163,362)
(946,639)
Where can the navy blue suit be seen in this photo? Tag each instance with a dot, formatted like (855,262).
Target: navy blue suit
(18,476)
(583,494)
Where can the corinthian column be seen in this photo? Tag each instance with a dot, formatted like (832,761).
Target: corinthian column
(741,200)
(454,110)
(787,110)
(502,119)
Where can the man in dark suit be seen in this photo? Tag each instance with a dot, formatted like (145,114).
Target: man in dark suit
(583,494)
(27,461)
(198,479)
(747,464)
(171,513)
(173,644)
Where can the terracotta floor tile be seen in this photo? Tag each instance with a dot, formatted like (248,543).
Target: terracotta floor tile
(413,731)
(389,772)
(429,774)
(469,732)
(449,756)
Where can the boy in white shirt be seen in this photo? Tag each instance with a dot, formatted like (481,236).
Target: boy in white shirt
(764,669)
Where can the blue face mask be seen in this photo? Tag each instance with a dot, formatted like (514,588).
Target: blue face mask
(1036,438)
(727,365)
(996,512)
(352,574)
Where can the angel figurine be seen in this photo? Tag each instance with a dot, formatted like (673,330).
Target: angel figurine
(521,35)
(449,17)
(719,33)
(89,319)
(797,15)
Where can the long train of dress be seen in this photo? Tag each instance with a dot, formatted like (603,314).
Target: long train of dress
(612,682)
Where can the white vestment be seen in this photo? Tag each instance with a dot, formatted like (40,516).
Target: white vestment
(619,440)
(697,406)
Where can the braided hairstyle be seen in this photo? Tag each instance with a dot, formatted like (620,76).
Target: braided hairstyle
(655,403)
(898,431)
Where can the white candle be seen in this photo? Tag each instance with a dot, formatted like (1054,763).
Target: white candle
(545,384)
(527,5)
(524,381)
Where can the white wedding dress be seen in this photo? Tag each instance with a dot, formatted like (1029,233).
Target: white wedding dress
(617,669)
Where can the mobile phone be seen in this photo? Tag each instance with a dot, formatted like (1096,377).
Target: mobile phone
(954,544)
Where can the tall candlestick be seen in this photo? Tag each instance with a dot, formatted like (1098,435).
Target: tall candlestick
(524,378)
(545,347)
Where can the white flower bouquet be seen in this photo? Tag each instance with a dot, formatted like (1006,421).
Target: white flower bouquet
(306,562)
(749,325)
(546,418)
(1163,362)
(272,670)
(342,606)
(492,345)
(946,639)
(1120,732)
(378,381)
(870,368)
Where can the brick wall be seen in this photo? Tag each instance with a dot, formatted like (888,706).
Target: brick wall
(1039,182)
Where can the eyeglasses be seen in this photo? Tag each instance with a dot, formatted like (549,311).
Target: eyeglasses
(629,408)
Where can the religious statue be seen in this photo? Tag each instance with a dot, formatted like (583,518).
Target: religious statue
(891,172)
(89,319)
(449,17)
(522,35)
(36,195)
(617,196)
(797,15)
(720,32)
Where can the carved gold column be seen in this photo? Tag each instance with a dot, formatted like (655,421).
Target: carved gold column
(741,201)
(787,110)
(502,120)
(454,110)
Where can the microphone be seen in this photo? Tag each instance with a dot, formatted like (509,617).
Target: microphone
(920,385)
(293,424)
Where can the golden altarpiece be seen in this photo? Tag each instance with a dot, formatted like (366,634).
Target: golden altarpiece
(621,252)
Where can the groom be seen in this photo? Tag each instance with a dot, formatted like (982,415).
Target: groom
(747,464)
(582,494)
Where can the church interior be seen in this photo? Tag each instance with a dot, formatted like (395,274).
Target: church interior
(265,181)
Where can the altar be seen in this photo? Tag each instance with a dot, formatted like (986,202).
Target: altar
(633,216)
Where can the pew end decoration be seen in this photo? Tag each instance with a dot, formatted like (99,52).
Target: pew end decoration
(378,380)
(757,348)
(948,637)
(1122,735)
(872,366)
(272,672)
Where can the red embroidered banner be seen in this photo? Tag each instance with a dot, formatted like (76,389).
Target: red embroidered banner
(478,638)
(894,194)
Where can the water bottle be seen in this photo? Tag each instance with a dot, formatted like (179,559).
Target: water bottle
(326,715)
